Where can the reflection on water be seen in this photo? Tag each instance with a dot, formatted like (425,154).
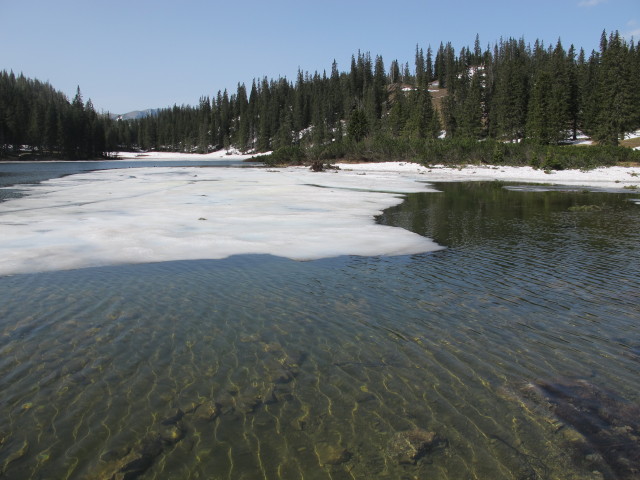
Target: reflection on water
(430,366)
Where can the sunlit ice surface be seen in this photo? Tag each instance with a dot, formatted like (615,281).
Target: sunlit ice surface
(147,215)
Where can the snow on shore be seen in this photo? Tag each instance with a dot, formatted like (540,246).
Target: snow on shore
(221,155)
(141,215)
(605,177)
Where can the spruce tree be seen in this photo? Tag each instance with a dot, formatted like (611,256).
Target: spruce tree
(538,127)
(394,73)
(358,126)
(421,80)
(510,91)
(616,92)
(573,95)
(429,65)
(398,113)
(421,121)
(470,113)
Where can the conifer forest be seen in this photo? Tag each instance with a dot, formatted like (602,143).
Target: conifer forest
(523,101)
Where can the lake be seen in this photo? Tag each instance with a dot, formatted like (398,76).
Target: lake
(511,354)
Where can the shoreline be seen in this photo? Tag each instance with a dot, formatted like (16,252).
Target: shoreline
(619,179)
(222,155)
(610,178)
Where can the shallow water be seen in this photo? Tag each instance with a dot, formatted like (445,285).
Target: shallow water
(261,367)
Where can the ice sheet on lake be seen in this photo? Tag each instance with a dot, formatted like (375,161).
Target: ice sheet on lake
(162,214)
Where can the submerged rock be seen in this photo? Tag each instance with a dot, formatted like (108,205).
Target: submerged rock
(284,375)
(602,427)
(130,463)
(409,446)
(172,434)
(329,454)
(173,419)
(278,370)
(249,401)
(207,411)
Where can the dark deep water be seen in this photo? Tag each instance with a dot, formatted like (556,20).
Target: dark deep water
(262,367)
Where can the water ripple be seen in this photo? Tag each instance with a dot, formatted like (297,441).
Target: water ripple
(262,367)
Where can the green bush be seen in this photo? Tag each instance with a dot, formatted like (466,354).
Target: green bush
(292,155)
(457,151)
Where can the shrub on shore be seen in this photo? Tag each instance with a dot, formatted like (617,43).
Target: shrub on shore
(458,152)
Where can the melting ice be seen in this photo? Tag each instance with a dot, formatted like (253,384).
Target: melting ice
(162,214)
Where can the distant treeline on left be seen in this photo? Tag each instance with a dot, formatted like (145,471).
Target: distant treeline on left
(39,122)
(35,116)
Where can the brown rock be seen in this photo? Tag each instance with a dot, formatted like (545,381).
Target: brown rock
(172,434)
(329,454)
(409,446)
(208,411)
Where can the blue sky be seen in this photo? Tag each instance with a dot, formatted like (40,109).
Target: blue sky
(138,54)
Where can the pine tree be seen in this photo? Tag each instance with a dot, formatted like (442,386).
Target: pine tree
(394,73)
(510,91)
(470,113)
(285,136)
(204,127)
(559,109)
(379,87)
(429,66)
(421,80)
(440,70)
(573,95)
(616,93)
(398,113)
(422,121)
(358,126)
(242,118)
(477,51)
(265,124)
(538,126)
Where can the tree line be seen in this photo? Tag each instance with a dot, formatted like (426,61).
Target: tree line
(35,115)
(508,92)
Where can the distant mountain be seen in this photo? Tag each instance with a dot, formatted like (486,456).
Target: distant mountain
(136,114)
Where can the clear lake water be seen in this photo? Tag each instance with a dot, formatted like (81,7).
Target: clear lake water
(262,367)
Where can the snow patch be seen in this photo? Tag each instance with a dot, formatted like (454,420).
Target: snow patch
(223,155)
(142,215)
(631,135)
(605,177)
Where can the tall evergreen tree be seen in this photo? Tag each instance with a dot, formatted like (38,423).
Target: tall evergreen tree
(616,92)
(422,120)
(358,126)
(421,78)
(429,65)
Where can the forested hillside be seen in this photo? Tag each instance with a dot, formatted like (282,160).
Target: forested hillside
(511,91)
(33,114)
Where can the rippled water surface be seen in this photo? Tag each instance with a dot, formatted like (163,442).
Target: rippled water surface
(261,367)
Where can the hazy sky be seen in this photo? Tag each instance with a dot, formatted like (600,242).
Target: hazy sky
(138,54)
